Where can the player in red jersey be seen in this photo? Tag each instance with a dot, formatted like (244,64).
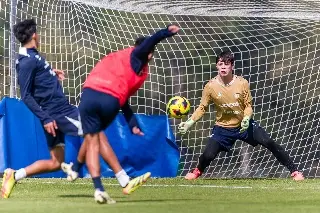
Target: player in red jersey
(107,90)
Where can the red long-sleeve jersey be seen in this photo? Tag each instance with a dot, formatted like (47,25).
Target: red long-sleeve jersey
(114,75)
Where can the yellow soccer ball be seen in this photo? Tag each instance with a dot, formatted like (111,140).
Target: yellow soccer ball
(178,107)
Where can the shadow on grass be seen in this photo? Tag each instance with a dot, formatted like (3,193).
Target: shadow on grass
(155,200)
(75,196)
(83,196)
(126,200)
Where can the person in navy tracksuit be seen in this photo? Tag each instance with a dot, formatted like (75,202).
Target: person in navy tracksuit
(42,93)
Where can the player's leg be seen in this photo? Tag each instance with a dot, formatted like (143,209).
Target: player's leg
(111,159)
(258,135)
(107,154)
(211,150)
(222,139)
(109,110)
(93,164)
(56,146)
(69,122)
(73,168)
(43,166)
(90,112)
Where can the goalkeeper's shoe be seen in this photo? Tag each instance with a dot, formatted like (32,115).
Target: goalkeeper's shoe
(193,175)
(136,183)
(103,197)
(8,183)
(71,174)
(297,176)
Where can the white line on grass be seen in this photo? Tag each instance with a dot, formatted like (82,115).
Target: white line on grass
(79,182)
(168,185)
(35,180)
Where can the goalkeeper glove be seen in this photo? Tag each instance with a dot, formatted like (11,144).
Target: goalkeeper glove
(184,126)
(244,124)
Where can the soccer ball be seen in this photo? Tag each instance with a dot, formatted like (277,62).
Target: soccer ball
(178,107)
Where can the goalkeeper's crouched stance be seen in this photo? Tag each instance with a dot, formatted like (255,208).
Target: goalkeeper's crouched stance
(232,99)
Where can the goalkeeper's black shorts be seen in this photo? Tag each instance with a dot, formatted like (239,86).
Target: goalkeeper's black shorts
(226,137)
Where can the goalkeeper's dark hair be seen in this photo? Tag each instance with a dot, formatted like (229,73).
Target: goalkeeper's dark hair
(24,30)
(140,40)
(226,57)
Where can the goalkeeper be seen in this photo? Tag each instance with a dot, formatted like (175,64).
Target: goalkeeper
(107,90)
(233,102)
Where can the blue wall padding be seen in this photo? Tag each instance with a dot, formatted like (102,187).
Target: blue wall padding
(22,141)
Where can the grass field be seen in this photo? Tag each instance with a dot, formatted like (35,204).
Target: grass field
(168,195)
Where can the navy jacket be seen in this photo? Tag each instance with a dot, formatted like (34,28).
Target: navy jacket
(40,88)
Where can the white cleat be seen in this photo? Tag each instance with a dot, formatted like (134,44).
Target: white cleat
(67,168)
(103,197)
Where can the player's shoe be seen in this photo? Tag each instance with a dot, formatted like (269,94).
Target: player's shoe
(103,197)
(67,168)
(193,175)
(297,176)
(136,183)
(8,183)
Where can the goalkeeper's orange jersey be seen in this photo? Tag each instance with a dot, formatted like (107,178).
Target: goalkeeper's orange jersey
(232,101)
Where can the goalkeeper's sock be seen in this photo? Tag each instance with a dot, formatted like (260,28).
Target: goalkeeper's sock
(97,183)
(76,166)
(292,167)
(20,174)
(123,178)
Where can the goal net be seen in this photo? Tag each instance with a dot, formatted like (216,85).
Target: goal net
(276,45)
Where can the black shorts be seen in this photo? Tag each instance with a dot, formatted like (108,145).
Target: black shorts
(68,122)
(97,110)
(226,137)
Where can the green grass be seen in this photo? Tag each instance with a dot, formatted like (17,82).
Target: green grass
(168,195)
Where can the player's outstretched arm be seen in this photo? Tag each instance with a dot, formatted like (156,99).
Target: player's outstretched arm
(26,73)
(140,54)
(247,99)
(147,46)
(131,119)
(200,111)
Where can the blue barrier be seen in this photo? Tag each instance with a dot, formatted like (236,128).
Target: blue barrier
(22,141)
(3,148)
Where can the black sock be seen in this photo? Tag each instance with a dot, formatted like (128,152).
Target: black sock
(97,183)
(76,166)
